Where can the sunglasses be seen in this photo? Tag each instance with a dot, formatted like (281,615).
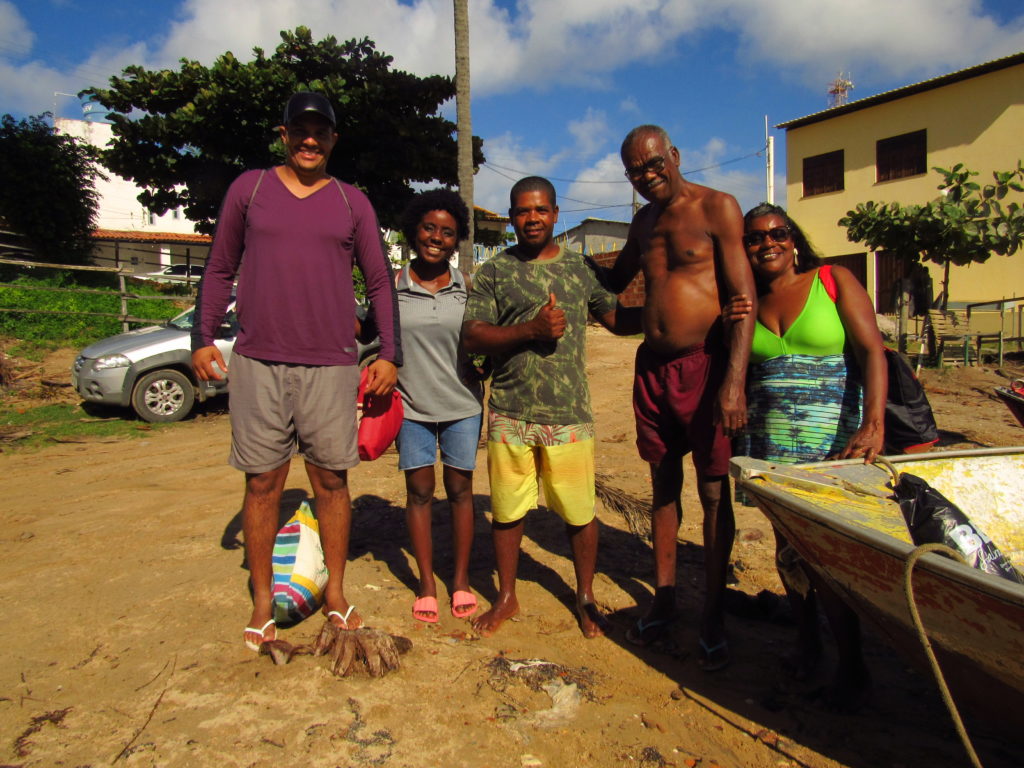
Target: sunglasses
(758,236)
(637,172)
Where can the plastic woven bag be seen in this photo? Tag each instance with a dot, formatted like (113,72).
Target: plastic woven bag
(300,574)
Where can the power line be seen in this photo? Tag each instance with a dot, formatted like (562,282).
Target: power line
(594,205)
(495,166)
(489,164)
(596,208)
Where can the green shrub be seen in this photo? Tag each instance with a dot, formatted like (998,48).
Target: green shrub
(34,332)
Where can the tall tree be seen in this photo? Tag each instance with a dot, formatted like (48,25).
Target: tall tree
(967,223)
(465,128)
(48,193)
(184,135)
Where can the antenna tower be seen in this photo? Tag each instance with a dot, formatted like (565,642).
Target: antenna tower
(839,89)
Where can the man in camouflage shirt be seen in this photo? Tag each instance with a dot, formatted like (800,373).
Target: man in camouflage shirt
(528,311)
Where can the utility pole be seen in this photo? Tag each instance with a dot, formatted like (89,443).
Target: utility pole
(769,164)
(464,128)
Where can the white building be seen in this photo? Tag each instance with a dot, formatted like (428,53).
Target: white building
(126,233)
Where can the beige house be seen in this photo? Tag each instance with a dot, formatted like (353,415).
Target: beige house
(883,148)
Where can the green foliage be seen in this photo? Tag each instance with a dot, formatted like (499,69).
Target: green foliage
(967,223)
(358,284)
(184,135)
(48,192)
(490,237)
(35,333)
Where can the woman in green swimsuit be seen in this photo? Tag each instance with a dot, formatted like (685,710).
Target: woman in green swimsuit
(807,401)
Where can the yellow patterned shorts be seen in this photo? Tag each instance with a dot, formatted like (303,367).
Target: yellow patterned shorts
(560,455)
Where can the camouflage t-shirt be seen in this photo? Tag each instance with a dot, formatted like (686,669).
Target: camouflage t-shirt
(544,382)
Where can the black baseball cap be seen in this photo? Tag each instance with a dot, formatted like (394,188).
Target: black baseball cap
(307,101)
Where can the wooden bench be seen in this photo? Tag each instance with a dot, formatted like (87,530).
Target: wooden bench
(947,326)
(1014,335)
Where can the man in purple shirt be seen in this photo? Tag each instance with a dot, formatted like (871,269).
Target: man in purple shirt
(294,369)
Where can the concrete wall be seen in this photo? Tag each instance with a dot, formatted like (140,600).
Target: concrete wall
(595,236)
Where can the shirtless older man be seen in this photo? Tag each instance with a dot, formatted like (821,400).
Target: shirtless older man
(688,393)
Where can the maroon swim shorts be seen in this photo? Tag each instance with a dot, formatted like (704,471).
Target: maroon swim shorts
(674,402)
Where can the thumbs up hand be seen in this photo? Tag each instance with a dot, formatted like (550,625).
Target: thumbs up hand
(549,322)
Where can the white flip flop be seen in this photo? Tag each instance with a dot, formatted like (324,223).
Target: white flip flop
(257,631)
(342,616)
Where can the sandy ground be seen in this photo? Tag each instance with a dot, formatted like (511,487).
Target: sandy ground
(126,594)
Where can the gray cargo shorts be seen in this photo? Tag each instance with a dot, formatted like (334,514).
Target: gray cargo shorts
(279,409)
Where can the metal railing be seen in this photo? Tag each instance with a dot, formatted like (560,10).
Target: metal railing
(1016,334)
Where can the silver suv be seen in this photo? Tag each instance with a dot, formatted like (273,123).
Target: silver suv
(150,369)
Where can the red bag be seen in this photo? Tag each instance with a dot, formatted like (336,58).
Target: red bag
(380,421)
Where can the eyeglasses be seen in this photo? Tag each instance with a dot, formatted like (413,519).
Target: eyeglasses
(758,236)
(637,172)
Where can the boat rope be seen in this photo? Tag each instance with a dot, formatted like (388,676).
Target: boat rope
(922,635)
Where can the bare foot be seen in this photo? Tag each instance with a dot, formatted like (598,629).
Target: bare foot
(592,621)
(488,623)
(343,616)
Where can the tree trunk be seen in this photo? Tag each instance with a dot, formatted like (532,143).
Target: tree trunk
(945,285)
(464,127)
(904,317)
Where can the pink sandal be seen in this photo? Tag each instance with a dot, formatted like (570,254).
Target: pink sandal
(426,604)
(463,604)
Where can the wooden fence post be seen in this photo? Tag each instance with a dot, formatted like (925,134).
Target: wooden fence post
(124,301)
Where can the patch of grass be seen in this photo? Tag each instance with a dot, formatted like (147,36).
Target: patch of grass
(38,333)
(23,428)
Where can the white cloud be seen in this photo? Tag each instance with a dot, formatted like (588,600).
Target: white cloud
(629,106)
(704,165)
(15,35)
(540,44)
(579,41)
(870,38)
(29,88)
(602,184)
(591,132)
(508,160)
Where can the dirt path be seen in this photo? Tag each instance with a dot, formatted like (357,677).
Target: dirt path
(125,598)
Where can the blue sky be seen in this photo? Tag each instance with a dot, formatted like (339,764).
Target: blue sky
(556,83)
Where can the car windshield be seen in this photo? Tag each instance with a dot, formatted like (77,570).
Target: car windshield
(186,319)
(183,322)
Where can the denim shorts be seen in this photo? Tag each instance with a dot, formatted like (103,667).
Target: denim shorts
(418,442)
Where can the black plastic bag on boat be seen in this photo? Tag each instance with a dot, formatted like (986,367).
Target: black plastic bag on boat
(932,518)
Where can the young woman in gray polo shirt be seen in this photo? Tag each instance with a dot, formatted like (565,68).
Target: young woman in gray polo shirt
(441,392)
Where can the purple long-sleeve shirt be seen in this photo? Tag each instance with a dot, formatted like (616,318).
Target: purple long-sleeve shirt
(295,301)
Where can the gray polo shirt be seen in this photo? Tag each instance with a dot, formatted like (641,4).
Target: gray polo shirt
(429,380)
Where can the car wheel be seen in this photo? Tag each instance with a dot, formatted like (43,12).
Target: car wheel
(163,395)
